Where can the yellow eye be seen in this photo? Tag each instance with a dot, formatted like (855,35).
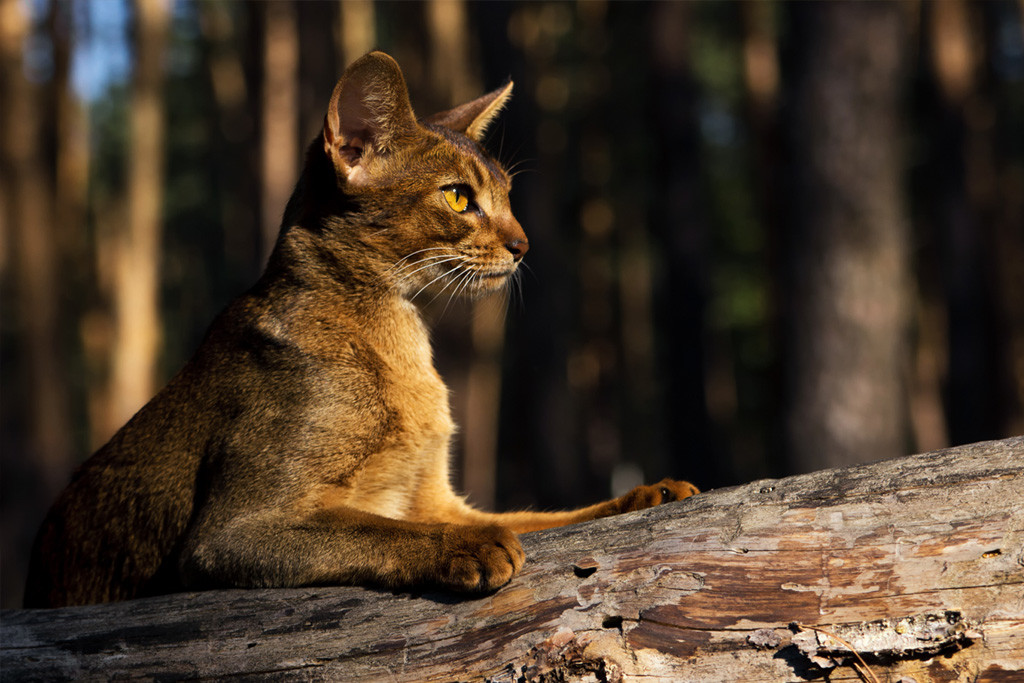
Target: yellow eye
(456,198)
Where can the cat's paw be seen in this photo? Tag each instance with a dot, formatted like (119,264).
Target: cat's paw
(478,559)
(665,491)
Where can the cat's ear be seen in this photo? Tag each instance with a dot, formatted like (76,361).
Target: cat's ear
(472,118)
(369,114)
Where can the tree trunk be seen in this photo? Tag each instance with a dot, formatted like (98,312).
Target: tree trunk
(850,247)
(136,268)
(224,34)
(36,449)
(681,237)
(914,563)
(280,144)
(356,32)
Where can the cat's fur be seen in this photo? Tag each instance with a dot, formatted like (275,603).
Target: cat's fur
(307,441)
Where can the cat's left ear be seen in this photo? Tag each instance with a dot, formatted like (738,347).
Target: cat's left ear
(369,114)
(472,118)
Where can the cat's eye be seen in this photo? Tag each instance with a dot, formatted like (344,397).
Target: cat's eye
(457,197)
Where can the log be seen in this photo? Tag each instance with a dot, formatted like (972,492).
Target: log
(907,569)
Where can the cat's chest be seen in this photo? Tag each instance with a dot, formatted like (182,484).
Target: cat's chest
(417,449)
(419,394)
(414,388)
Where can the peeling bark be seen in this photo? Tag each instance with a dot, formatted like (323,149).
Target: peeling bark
(917,564)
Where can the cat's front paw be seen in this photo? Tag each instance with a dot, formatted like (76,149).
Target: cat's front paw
(665,491)
(478,559)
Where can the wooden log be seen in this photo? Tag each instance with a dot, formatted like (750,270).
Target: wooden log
(917,564)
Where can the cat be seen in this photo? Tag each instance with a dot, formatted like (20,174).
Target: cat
(307,440)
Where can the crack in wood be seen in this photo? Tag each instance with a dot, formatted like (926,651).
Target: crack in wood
(886,640)
(852,599)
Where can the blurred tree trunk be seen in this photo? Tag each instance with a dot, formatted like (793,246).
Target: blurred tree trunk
(71,181)
(976,216)
(224,56)
(71,166)
(762,85)
(849,247)
(453,74)
(1006,211)
(962,264)
(317,68)
(37,455)
(32,264)
(540,433)
(280,125)
(624,173)
(137,248)
(945,35)
(594,367)
(356,32)
(682,231)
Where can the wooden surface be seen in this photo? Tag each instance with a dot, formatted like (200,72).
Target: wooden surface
(917,563)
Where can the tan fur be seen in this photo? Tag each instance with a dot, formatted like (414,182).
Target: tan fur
(307,441)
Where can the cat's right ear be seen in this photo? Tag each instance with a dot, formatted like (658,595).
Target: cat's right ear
(472,118)
(368,115)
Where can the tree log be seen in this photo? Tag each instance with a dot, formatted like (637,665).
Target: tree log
(915,564)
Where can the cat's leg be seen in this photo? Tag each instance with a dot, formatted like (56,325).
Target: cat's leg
(665,491)
(341,545)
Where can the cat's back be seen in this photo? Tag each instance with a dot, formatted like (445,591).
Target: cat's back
(276,367)
(112,532)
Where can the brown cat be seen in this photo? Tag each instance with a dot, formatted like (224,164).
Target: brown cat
(307,440)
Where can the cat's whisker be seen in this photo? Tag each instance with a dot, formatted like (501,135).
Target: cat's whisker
(506,295)
(408,276)
(526,267)
(410,283)
(513,164)
(405,258)
(463,276)
(442,275)
(438,293)
(459,281)
(467,280)
(509,296)
(517,168)
(513,292)
(424,260)
(417,253)
(423,264)
(420,251)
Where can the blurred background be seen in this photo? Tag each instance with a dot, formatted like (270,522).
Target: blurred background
(766,238)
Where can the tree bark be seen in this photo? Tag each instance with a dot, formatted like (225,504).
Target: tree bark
(916,563)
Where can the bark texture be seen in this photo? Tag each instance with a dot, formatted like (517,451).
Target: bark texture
(916,563)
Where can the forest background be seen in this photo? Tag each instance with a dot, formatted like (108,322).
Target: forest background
(765,237)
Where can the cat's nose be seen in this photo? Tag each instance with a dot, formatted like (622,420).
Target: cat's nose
(518,249)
